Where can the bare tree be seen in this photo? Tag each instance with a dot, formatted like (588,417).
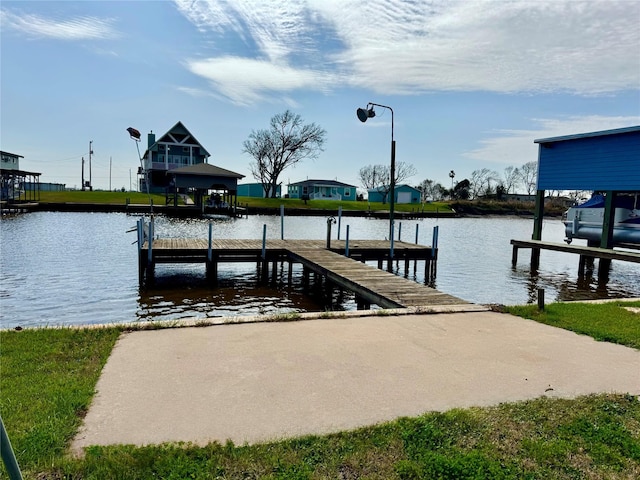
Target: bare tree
(379,177)
(431,190)
(372,176)
(510,178)
(529,176)
(286,142)
(481,181)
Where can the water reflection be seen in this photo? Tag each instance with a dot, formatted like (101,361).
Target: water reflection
(81,268)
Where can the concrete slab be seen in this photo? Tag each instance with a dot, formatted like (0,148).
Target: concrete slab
(264,381)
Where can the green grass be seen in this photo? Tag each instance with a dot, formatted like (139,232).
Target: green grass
(608,322)
(590,437)
(48,376)
(99,196)
(440,207)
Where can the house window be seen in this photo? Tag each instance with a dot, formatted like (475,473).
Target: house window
(185,149)
(347,193)
(304,190)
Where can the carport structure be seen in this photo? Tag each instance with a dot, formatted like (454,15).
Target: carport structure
(203,178)
(605,161)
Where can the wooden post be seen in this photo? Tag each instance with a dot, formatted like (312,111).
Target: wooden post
(339,220)
(212,264)
(150,265)
(346,245)
(514,256)
(434,241)
(362,304)
(606,240)
(140,257)
(541,299)
(393,232)
(281,222)
(538,218)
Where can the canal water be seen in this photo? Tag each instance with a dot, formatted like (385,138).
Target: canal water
(81,268)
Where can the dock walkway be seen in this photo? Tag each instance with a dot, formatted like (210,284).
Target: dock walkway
(350,272)
(370,284)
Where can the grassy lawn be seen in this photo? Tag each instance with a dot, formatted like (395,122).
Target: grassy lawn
(97,196)
(608,322)
(48,376)
(441,207)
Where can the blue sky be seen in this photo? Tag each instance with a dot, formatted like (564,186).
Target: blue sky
(472,84)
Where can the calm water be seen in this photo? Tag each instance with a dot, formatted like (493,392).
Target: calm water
(81,268)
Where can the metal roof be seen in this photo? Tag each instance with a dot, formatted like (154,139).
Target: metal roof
(206,170)
(323,183)
(601,133)
(181,129)
(6,171)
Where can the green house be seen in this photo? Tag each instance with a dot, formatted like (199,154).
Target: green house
(322,190)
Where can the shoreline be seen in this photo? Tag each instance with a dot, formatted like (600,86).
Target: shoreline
(188,211)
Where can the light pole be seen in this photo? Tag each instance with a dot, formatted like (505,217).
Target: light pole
(364,114)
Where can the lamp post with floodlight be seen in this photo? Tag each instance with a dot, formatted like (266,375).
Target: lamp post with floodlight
(363,115)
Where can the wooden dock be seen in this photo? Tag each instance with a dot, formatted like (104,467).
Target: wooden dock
(587,254)
(370,285)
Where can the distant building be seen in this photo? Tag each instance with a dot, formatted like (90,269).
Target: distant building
(45,186)
(403,194)
(10,161)
(175,149)
(322,190)
(255,190)
(13,181)
(518,197)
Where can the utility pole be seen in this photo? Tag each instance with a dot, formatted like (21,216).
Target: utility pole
(82,174)
(90,153)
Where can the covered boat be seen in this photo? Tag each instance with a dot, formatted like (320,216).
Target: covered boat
(584,221)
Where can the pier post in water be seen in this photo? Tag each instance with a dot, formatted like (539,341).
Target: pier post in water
(212,263)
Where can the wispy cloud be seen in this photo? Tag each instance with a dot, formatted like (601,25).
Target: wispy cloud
(408,47)
(77,28)
(516,147)
(243,80)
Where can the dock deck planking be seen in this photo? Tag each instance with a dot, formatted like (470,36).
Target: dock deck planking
(370,284)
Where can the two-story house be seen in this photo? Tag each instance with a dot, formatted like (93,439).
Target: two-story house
(175,149)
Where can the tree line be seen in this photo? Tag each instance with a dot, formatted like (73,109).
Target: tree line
(289,140)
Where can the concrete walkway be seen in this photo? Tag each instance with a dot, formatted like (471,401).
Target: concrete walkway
(265,381)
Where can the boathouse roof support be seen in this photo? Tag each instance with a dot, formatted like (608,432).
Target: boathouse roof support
(596,161)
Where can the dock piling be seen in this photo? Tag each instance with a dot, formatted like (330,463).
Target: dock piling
(346,246)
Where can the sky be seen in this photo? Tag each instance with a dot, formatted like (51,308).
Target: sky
(471,84)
